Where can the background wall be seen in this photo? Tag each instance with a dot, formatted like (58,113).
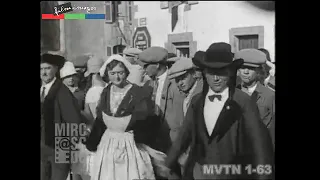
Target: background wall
(210,21)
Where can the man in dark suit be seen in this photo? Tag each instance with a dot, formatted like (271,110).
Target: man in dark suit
(58,106)
(222,125)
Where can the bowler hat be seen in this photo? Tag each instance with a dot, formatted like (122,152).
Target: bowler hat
(217,56)
(52,59)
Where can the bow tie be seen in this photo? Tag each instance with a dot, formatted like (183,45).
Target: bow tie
(212,97)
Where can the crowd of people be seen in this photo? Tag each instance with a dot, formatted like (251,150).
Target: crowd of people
(152,115)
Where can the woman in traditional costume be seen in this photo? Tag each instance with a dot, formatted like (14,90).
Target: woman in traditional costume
(122,130)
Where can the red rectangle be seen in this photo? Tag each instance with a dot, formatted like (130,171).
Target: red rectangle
(52,16)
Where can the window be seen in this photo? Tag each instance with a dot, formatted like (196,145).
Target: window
(50,29)
(246,37)
(181,44)
(248,41)
(130,11)
(109,53)
(109,12)
(183,52)
(118,49)
(182,49)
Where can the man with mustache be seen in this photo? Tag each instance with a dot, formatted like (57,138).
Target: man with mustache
(58,106)
(250,73)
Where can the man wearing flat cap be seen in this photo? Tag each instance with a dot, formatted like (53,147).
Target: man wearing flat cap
(154,60)
(185,86)
(58,106)
(137,72)
(222,124)
(263,96)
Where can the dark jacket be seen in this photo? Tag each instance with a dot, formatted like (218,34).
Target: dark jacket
(239,137)
(134,104)
(59,106)
(265,99)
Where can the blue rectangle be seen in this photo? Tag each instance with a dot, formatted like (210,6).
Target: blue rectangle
(95,16)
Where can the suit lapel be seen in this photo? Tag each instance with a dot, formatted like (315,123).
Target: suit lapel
(256,95)
(164,95)
(224,121)
(52,92)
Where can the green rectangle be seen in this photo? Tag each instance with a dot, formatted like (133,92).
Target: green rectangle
(74,16)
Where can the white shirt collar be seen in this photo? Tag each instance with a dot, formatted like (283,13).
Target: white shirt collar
(251,89)
(163,76)
(47,86)
(224,93)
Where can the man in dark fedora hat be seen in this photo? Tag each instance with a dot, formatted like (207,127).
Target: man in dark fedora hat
(222,126)
(58,106)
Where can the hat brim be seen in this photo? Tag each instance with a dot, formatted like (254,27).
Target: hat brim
(251,65)
(87,73)
(68,75)
(59,62)
(217,65)
(175,75)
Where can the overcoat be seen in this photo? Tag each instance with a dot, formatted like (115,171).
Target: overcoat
(265,99)
(239,137)
(59,106)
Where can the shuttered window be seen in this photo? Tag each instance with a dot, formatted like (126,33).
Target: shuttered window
(248,41)
(50,29)
(109,12)
(109,53)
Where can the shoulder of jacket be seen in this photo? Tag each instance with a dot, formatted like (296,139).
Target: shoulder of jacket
(241,97)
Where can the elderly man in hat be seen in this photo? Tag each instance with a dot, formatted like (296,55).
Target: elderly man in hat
(263,96)
(222,125)
(137,75)
(185,86)
(58,106)
(71,79)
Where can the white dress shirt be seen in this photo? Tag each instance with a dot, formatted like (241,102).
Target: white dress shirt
(47,87)
(251,89)
(211,110)
(161,80)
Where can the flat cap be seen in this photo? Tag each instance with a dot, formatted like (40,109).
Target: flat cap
(180,67)
(81,61)
(173,59)
(132,51)
(153,55)
(251,57)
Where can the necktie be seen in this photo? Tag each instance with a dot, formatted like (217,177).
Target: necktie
(212,97)
(154,95)
(42,94)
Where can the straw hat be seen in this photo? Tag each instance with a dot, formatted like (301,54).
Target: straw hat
(67,70)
